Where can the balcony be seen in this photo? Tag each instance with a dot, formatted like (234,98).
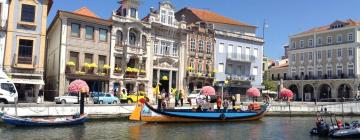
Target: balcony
(235,77)
(240,57)
(322,77)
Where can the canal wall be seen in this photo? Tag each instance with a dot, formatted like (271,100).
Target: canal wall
(115,111)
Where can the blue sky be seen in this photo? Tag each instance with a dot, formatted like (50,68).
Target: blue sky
(284,17)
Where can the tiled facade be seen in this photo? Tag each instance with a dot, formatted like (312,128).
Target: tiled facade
(327,59)
(24,53)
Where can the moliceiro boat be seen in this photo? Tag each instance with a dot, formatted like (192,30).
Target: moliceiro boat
(146,113)
(63,121)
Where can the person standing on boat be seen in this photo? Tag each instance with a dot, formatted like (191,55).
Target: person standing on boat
(226,105)
(218,103)
(233,99)
(123,97)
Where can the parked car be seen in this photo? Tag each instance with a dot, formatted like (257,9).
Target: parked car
(68,98)
(193,95)
(131,98)
(106,98)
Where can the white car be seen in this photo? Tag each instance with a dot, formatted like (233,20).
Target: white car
(8,93)
(68,98)
(193,95)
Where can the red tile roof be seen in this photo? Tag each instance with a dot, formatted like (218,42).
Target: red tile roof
(85,12)
(348,22)
(209,16)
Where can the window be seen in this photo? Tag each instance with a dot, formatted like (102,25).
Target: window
(163,16)
(255,52)
(192,45)
(165,47)
(302,56)
(119,38)
(132,38)
(201,46)
(293,45)
(239,49)
(208,48)
(175,49)
(318,55)
(329,54)
(350,50)
(230,48)
(28,13)
(247,53)
(143,41)
(8,87)
(319,41)
(339,52)
(75,30)
(89,32)
(25,51)
(319,73)
(339,38)
(101,61)
(350,37)
(170,18)
(124,13)
(200,66)
(88,58)
(310,55)
(339,70)
(221,48)
(329,40)
(103,35)
(310,43)
(156,47)
(221,67)
(329,71)
(350,69)
(133,12)
(255,71)
(293,57)
(74,57)
(192,63)
(301,43)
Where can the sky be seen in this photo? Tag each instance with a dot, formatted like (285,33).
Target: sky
(283,17)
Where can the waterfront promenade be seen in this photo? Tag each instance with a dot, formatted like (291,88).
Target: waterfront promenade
(124,110)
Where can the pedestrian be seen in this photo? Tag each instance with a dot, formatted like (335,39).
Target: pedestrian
(123,96)
(181,95)
(177,97)
(40,98)
(218,103)
(159,101)
(233,100)
(226,105)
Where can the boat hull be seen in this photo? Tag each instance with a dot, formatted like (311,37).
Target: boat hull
(150,114)
(25,122)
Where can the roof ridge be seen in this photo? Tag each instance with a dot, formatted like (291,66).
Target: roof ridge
(86,12)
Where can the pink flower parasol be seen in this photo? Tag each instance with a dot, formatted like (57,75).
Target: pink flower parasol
(253,92)
(207,90)
(286,93)
(77,85)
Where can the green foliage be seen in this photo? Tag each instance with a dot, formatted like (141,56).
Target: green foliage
(270,85)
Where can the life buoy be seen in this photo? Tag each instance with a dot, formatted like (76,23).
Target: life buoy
(222,116)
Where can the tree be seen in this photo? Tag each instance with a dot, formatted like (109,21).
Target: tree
(270,85)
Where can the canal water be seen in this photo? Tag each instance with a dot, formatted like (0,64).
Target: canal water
(269,128)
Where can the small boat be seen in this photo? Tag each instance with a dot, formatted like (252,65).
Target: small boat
(63,121)
(146,113)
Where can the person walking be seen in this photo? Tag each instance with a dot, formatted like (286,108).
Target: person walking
(218,103)
(181,95)
(123,96)
(177,96)
(233,99)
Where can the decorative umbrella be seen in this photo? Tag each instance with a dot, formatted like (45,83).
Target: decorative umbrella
(207,90)
(286,93)
(77,85)
(253,92)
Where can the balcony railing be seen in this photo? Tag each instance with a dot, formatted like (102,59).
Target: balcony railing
(240,77)
(311,77)
(241,57)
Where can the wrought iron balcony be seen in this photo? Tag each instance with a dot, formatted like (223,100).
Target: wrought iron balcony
(241,57)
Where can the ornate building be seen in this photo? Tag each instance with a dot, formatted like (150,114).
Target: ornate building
(323,62)
(130,50)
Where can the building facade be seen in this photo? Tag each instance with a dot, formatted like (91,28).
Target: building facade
(4,9)
(168,39)
(130,50)
(324,62)
(78,48)
(24,53)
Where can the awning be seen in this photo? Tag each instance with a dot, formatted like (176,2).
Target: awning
(28,81)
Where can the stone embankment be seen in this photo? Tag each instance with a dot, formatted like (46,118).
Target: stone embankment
(115,111)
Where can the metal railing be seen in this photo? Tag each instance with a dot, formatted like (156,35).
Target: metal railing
(311,77)
(241,57)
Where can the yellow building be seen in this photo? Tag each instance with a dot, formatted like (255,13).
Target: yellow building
(25,46)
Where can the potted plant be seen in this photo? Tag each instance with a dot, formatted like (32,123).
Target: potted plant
(199,74)
(131,72)
(142,72)
(189,70)
(106,69)
(90,67)
(70,67)
(117,71)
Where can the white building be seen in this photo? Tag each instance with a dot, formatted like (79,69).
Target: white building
(4,9)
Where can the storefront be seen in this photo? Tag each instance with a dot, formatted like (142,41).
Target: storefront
(28,89)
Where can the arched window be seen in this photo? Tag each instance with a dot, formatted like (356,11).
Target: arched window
(201,46)
(132,38)
(143,41)
(200,66)
(119,38)
(192,45)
